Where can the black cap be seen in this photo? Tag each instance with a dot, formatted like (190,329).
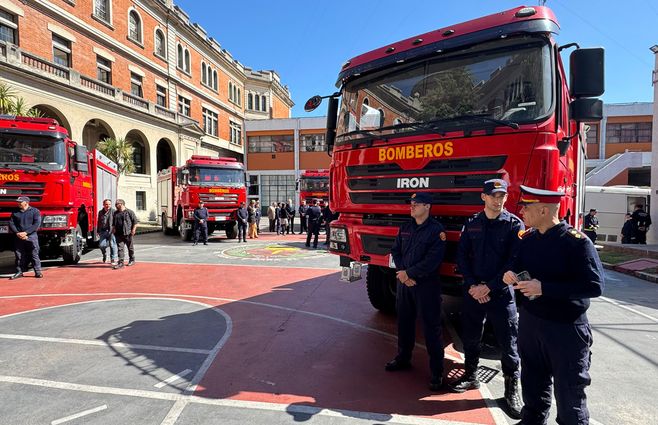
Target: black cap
(23,199)
(493,186)
(420,198)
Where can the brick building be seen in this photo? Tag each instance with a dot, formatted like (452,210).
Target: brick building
(139,70)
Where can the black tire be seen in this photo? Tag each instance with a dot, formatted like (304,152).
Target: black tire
(184,232)
(71,254)
(232,231)
(381,285)
(165,229)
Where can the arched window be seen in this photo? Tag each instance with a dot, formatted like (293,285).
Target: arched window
(381,117)
(160,45)
(263,103)
(138,157)
(257,102)
(180,56)
(214,79)
(134,26)
(250,101)
(204,75)
(230,90)
(364,106)
(239,97)
(187,61)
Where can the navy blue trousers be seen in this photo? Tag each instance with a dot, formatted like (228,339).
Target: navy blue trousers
(501,313)
(560,351)
(200,228)
(27,250)
(424,301)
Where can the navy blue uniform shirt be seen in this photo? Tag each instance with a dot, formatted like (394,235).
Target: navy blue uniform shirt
(314,213)
(419,249)
(569,269)
(201,214)
(27,221)
(487,249)
(243,214)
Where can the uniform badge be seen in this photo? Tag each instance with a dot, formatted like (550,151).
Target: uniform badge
(575,233)
(442,236)
(521,233)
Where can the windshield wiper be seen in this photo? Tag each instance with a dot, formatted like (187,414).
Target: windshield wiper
(485,118)
(22,166)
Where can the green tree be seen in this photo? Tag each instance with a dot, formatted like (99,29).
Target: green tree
(7,97)
(448,93)
(120,151)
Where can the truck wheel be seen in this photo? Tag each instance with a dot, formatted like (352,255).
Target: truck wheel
(165,225)
(381,285)
(184,231)
(72,253)
(232,231)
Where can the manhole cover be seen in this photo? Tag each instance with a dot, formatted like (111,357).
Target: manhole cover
(271,252)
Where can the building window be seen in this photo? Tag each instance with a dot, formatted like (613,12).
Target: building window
(230,91)
(253,186)
(179,56)
(140,200)
(138,157)
(102,10)
(134,27)
(313,143)
(236,133)
(250,101)
(214,80)
(592,134)
(276,188)
(187,61)
(161,96)
(239,97)
(210,122)
(263,103)
(284,143)
(184,106)
(204,74)
(61,51)
(103,70)
(8,27)
(160,44)
(136,85)
(638,132)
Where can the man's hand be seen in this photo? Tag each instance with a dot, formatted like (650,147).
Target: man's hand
(529,288)
(479,291)
(484,299)
(509,278)
(202,221)
(410,282)
(402,276)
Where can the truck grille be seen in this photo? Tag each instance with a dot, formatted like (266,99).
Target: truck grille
(439,198)
(381,245)
(9,191)
(390,220)
(434,182)
(219,199)
(490,163)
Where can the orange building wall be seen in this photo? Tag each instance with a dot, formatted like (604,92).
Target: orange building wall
(614,148)
(313,160)
(592,151)
(279,108)
(271,161)
(620,179)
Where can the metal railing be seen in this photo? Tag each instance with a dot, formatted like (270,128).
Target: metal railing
(45,66)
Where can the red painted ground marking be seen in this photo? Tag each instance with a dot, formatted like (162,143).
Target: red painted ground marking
(275,355)
(638,265)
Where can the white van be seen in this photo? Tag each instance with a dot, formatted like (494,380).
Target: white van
(612,203)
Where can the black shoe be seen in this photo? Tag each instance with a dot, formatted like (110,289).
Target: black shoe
(131,263)
(467,382)
(397,364)
(436,383)
(307,245)
(194,243)
(16,275)
(117,266)
(104,257)
(38,275)
(205,243)
(512,397)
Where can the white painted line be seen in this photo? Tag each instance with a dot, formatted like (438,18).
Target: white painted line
(174,412)
(173,378)
(104,344)
(79,415)
(255,405)
(594,422)
(632,310)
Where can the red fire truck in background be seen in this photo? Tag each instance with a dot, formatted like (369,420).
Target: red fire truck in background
(314,184)
(62,179)
(443,112)
(219,182)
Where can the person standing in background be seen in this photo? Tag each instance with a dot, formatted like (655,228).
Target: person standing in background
(104,230)
(24,223)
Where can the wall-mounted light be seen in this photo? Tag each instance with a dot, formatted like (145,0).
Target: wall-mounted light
(654,48)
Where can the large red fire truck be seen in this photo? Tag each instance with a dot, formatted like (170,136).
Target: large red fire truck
(62,179)
(218,182)
(314,184)
(443,112)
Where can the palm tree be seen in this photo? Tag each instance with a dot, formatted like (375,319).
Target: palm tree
(7,97)
(19,108)
(120,151)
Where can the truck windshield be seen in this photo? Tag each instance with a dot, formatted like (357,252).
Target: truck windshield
(502,82)
(32,152)
(213,176)
(314,184)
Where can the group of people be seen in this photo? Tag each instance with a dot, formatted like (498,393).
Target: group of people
(281,216)
(636,226)
(549,273)
(248,220)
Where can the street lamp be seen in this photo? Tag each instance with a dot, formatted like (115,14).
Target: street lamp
(654,48)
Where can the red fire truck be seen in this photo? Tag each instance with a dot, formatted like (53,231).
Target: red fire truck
(441,113)
(62,179)
(314,184)
(218,182)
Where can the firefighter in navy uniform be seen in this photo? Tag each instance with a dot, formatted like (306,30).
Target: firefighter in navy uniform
(201,223)
(418,252)
(641,223)
(314,217)
(487,247)
(554,334)
(590,225)
(24,223)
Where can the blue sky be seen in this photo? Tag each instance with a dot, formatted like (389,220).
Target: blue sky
(306,42)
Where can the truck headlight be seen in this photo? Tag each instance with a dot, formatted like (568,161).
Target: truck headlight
(51,221)
(190,214)
(338,234)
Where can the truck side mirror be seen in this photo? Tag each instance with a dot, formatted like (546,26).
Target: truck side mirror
(586,72)
(586,109)
(332,118)
(81,159)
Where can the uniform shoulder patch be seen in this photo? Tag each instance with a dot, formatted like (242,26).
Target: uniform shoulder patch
(525,233)
(576,234)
